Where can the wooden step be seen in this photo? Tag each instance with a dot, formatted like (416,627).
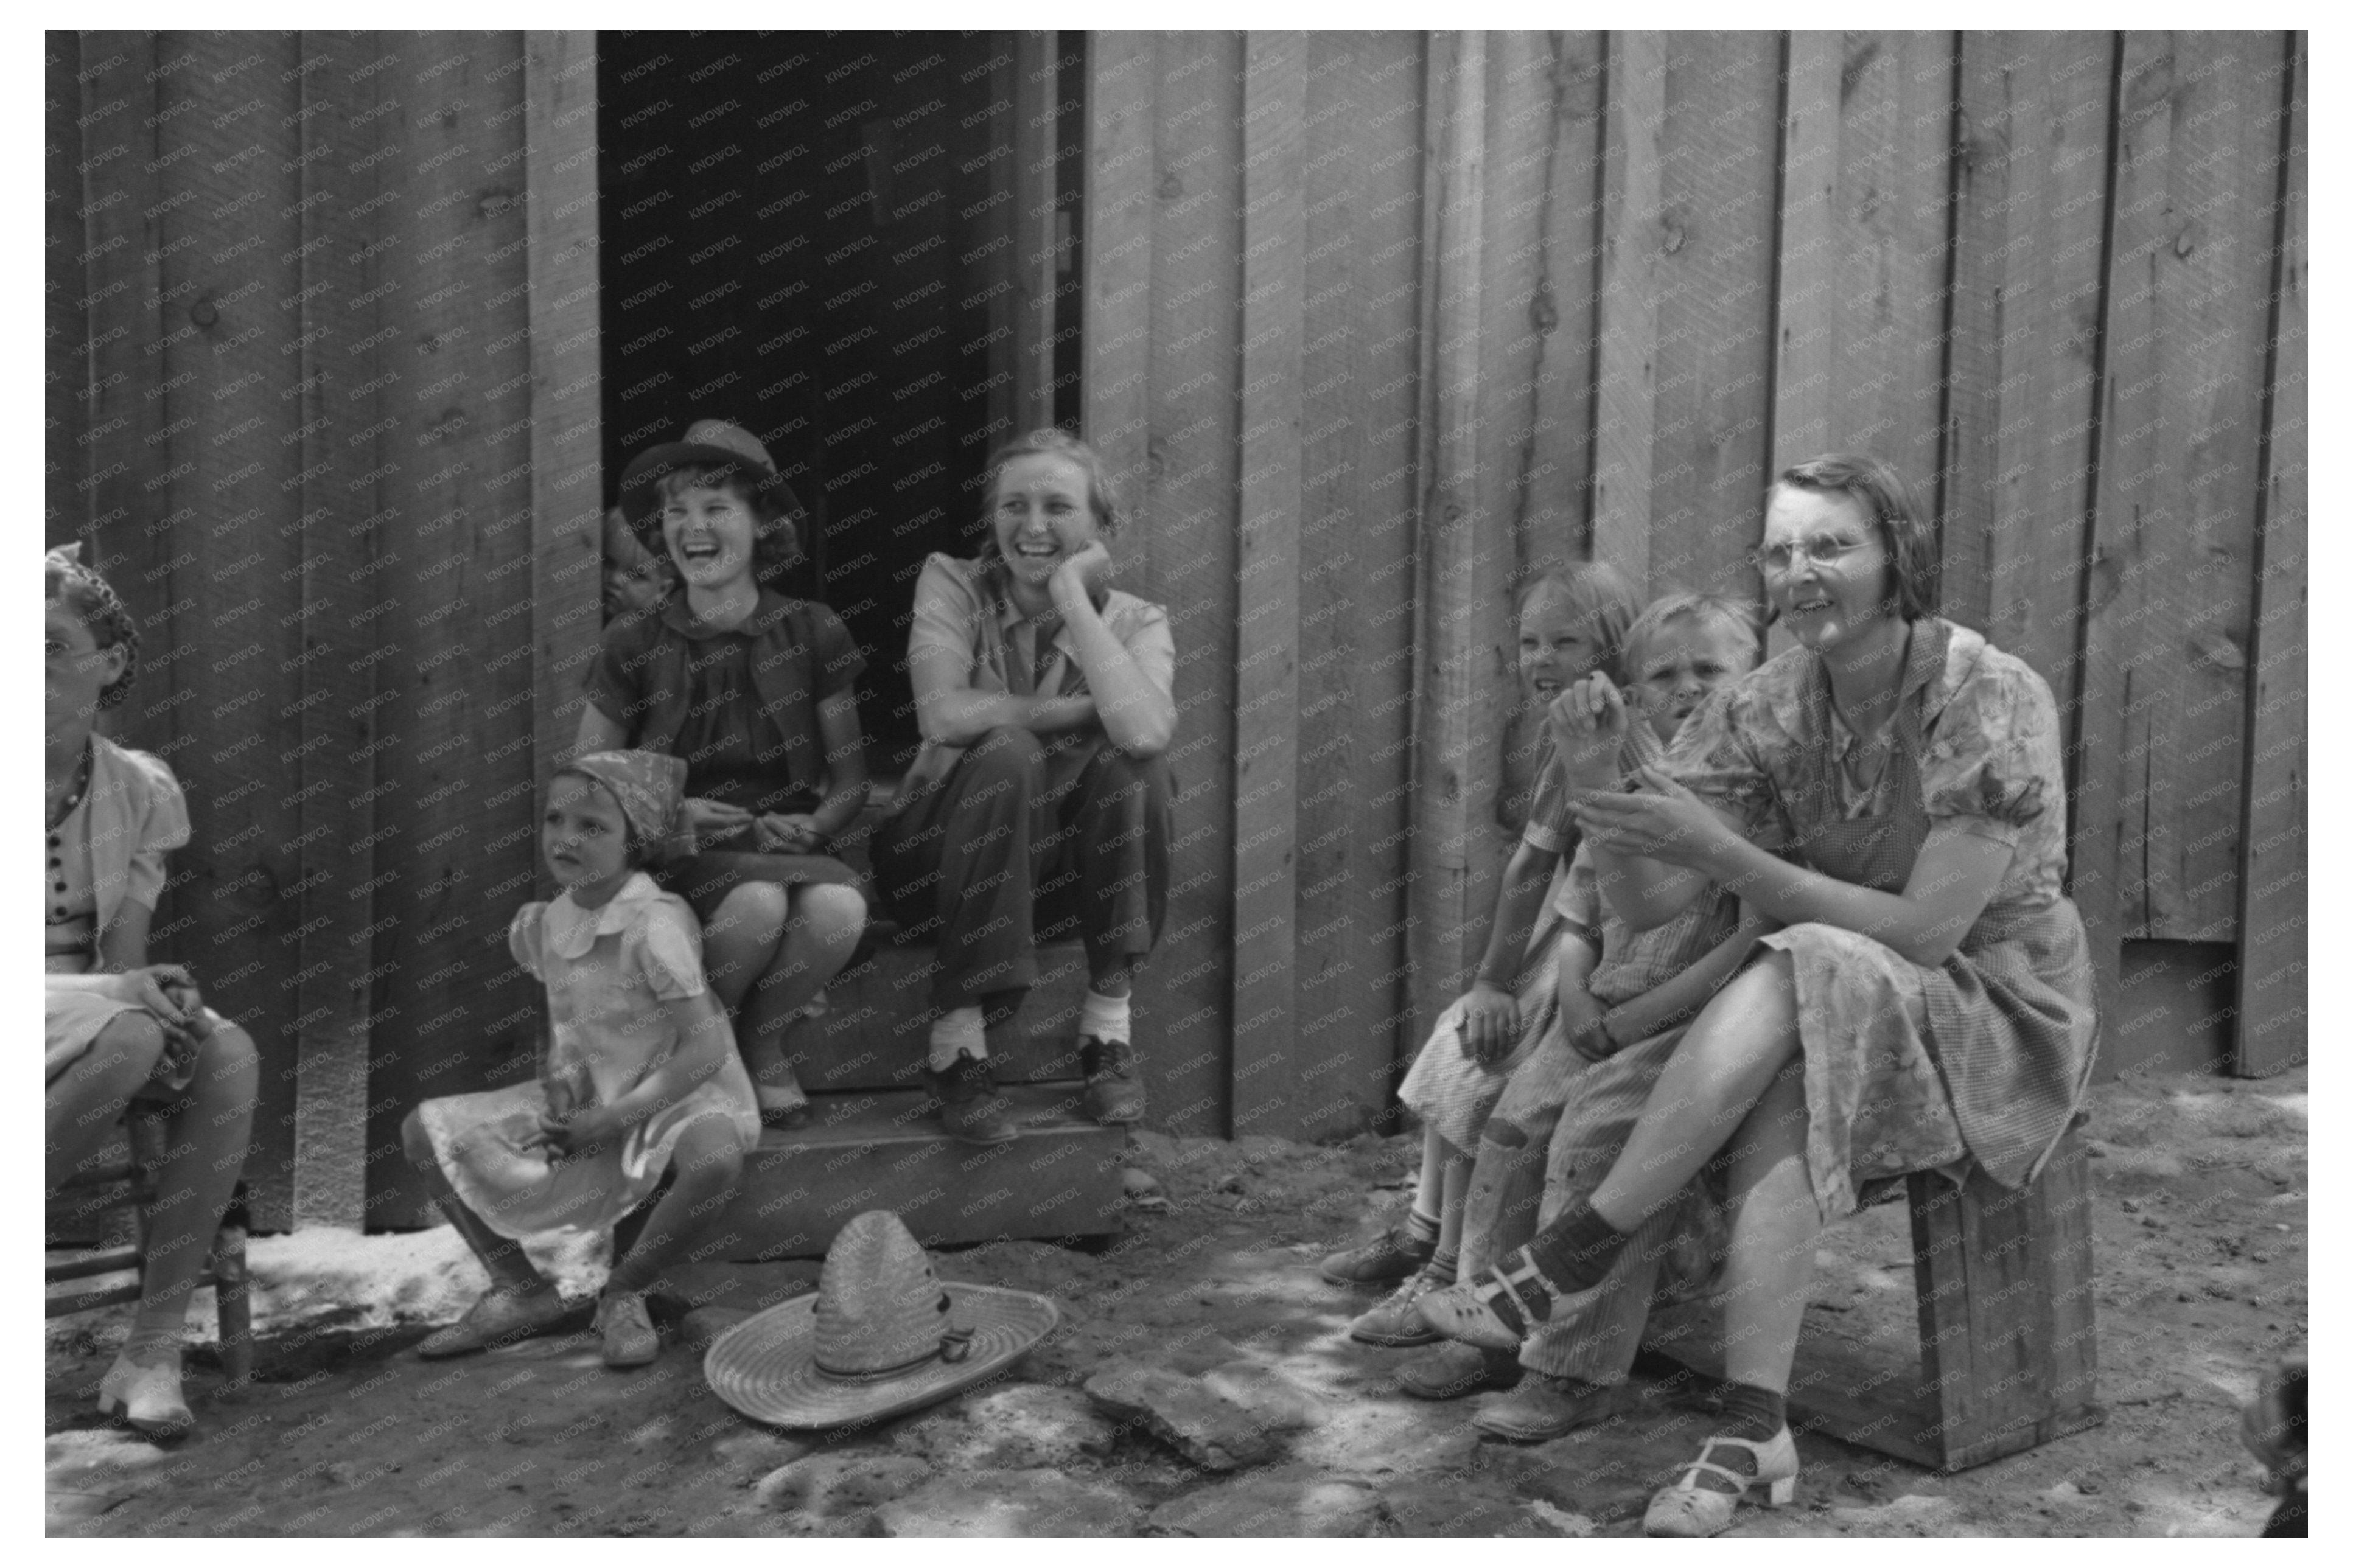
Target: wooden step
(873,1033)
(884,1150)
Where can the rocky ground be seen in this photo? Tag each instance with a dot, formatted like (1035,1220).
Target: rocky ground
(1202,1383)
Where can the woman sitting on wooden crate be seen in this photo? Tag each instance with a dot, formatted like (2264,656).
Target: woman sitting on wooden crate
(1890,789)
(119,1029)
(1046,698)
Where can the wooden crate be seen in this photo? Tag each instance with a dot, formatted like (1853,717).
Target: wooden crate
(2006,1344)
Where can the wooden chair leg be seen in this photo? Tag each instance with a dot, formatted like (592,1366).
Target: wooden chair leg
(229,1285)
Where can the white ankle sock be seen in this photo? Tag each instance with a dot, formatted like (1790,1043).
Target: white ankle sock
(1104,1017)
(959,1031)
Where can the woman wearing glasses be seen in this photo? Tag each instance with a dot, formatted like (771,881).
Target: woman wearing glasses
(1891,790)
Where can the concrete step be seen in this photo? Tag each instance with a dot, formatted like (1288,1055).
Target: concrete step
(873,1033)
(884,1150)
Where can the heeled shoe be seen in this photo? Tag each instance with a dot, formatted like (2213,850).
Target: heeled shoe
(1494,1308)
(1691,1511)
(143,1390)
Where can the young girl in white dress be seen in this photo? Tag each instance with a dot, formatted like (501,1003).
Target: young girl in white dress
(641,1077)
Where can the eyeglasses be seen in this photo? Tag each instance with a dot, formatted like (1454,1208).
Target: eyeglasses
(1822,549)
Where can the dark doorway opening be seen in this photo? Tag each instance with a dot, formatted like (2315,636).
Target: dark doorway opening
(860,246)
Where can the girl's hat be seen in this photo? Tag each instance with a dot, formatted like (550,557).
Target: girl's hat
(881,1335)
(708,441)
(650,788)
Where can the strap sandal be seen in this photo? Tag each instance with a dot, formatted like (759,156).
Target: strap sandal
(1494,1308)
(499,1316)
(1691,1511)
(143,1391)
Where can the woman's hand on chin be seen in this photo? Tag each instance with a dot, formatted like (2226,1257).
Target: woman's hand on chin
(1661,821)
(1080,577)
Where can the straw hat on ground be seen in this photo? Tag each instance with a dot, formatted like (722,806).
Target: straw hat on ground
(881,1335)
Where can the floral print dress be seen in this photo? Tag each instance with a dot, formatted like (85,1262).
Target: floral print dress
(1910,1067)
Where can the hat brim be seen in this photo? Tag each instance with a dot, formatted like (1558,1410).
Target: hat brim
(765,1366)
(638,478)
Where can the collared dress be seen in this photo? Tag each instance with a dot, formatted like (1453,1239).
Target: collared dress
(109,851)
(740,705)
(1985,1057)
(607,972)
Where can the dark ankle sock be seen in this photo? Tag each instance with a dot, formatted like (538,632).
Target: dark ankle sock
(1442,1264)
(1420,1227)
(1576,1250)
(1752,1413)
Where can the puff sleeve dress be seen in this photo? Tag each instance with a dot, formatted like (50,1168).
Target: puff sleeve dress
(109,850)
(1983,1057)
(607,972)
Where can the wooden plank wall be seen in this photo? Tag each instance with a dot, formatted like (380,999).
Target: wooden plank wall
(313,418)
(1226,176)
(2273,896)
(1410,316)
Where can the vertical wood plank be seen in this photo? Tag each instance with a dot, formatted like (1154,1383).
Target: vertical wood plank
(1190,559)
(1117,308)
(2025,341)
(559,96)
(2178,480)
(1455,702)
(1807,357)
(451,576)
(1266,671)
(2274,897)
(1363,228)
(231,326)
(131,450)
(1891,250)
(332,680)
(1626,377)
(1535,411)
(65,326)
(1024,90)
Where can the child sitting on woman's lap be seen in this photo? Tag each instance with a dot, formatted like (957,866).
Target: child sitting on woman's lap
(640,1074)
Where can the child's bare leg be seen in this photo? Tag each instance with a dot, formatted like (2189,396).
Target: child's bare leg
(826,920)
(1454,1193)
(705,1163)
(86,1097)
(502,1256)
(205,1139)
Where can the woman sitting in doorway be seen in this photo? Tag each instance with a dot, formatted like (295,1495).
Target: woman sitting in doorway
(1040,799)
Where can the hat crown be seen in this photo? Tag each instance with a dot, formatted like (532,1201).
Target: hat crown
(730,437)
(880,1309)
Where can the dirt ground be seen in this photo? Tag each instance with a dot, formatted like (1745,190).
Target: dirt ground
(2200,1238)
